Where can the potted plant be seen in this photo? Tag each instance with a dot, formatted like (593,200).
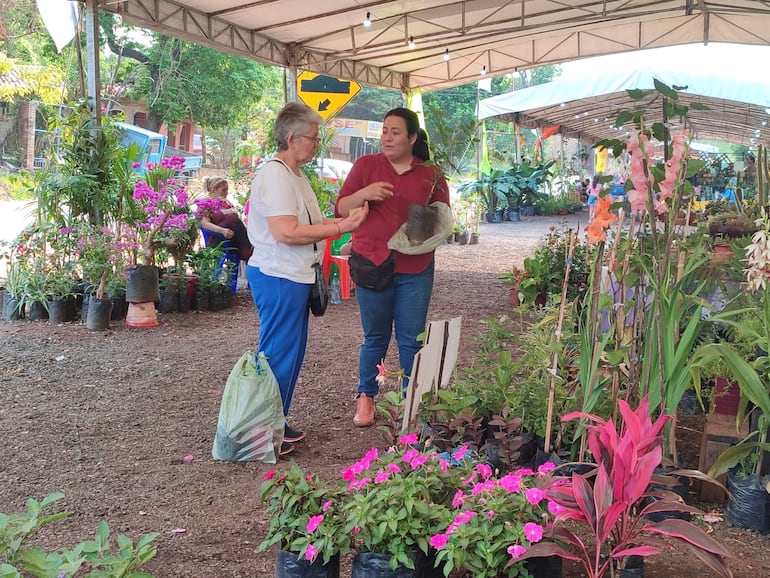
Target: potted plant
(522,183)
(206,263)
(490,188)
(513,279)
(536,282)
(306,523)
(746,363)
(493,522)
(615,508)
(394,506)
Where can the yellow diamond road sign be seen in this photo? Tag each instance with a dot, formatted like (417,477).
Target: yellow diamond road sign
(325,94)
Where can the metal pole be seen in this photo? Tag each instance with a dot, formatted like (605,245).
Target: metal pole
(93,75)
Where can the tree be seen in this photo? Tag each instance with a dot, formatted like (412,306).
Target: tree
(372,103)
(179,80)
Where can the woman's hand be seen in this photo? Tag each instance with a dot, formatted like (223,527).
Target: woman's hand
(378,191)
(354,219)
(227,233)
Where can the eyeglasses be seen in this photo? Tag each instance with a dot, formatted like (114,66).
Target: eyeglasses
(315,139)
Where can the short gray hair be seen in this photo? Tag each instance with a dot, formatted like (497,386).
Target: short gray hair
(294,119)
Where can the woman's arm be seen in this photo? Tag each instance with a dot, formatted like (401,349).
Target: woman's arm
(287,230)
(209,226)
(378,191)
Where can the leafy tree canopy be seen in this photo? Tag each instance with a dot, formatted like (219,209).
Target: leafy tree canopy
(179,80)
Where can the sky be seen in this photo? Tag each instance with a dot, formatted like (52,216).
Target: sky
(734,60)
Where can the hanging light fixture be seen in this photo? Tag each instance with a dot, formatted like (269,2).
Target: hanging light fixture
(483,70)
(411,43)
(368,20)
(446,54)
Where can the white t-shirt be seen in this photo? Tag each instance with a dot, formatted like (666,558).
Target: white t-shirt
(276,191)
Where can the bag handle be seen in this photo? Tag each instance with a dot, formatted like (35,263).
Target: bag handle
(309,218)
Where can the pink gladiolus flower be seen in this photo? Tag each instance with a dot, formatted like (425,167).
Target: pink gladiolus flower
(534,495)
(408,439)
(314,522)
(516,551)
(311,553)
(439,541)
(533,532)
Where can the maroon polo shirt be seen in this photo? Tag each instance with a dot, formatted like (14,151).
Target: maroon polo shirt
(385,217)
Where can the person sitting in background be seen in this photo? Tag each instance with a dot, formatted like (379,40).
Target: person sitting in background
(221,218)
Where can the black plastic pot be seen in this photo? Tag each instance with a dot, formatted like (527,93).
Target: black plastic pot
(36,311)
(12,310)
(748,503)
(142,284)
(99,313)
(545,567)
(288,565)
(375,565)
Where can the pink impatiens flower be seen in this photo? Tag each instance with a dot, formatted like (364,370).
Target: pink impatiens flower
(533,532)
(314,522)
(408,439)
(439,541)
(311,553)
(516,551)
(459,453)
(534,495)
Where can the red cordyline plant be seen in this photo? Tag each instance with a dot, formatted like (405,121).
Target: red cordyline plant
(616,506)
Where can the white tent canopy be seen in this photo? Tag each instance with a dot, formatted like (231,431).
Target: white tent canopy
(499,35)
(738,109)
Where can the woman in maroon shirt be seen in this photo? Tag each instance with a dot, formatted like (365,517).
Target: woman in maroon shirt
(390,181)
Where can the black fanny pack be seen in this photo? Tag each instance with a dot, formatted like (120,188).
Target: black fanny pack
(370,276)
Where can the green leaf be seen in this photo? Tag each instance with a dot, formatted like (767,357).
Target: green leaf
(636,94)
(664,89)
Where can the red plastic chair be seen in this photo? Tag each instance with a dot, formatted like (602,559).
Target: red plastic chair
(341,261)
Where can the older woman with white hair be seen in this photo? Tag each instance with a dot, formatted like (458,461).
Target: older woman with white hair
(288,230)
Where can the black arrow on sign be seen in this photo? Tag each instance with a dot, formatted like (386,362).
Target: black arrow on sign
(323,105)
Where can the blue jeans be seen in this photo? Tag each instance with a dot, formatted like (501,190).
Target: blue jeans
(283,325)
(403,305)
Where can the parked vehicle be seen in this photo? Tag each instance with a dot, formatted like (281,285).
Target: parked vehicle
(153,147)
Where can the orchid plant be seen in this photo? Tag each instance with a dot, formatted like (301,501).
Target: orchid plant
(164,203)
(615,507)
